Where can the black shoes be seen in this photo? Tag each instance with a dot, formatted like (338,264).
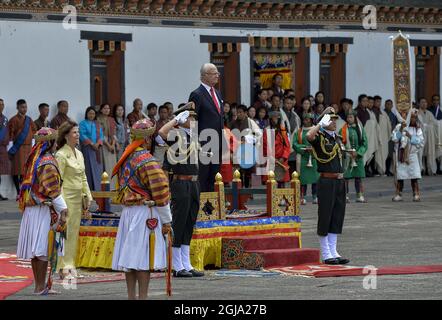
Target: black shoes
(187,274)
(336,261)
(196,273)
(2,198)
(332,261)
(342,260)
(182,274)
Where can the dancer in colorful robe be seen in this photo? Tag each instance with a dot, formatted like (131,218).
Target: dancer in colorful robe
(42,204)
(143,190)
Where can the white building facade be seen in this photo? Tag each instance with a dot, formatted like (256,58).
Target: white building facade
(153,50)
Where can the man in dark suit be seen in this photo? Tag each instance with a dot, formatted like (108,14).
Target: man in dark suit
(209,107)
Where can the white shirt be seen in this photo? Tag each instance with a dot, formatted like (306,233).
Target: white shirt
(214,91)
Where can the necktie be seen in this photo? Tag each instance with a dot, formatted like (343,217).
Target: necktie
(215,100)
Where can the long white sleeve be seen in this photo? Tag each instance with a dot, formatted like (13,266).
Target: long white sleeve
(164,213)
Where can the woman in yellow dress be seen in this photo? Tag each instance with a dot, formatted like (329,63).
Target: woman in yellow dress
(75,188)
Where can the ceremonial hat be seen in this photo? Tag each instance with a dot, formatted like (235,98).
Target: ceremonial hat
(332,115)
(143,128)
(307,115)
(45,134)
(190,106)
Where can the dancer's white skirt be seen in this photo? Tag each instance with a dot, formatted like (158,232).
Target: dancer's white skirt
(34,231)
(131,250)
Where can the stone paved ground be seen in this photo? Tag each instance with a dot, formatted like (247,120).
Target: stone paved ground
(377,233)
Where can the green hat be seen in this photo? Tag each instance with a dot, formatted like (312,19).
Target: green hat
(307,115)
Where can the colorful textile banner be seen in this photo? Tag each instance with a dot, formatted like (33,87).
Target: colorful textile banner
(267,65)
(402,74)
(248,222)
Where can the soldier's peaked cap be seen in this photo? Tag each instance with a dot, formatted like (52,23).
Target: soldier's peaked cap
(190,106)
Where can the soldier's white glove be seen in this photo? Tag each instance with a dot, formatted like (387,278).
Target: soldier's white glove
(182,117)
(325,121)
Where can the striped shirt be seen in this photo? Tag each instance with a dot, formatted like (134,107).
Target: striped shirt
(154,185)
(48,185)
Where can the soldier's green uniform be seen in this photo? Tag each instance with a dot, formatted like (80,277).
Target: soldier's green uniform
(308,174)
(354,137)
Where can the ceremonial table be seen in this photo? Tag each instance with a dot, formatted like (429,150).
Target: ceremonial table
(279,219)
(97,238)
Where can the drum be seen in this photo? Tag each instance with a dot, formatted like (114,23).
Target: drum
(280,172)
(246,155)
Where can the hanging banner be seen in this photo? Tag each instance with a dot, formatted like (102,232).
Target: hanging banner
(402,74)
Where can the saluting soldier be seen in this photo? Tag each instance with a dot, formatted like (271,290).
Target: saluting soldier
(327,150)
(182,161)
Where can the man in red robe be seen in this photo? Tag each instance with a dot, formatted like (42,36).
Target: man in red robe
(21,129)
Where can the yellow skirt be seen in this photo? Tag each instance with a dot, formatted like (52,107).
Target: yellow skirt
(73,198)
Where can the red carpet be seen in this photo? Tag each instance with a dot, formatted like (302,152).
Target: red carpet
(322,270)
(15,275)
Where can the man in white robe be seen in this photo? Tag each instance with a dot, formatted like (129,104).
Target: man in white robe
(371,128)
(384,133)
(427,156)
(436,110)
(368,120)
